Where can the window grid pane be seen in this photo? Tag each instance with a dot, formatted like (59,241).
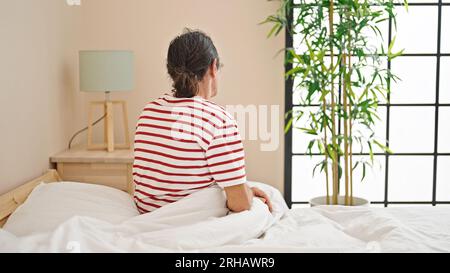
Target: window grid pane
(421,66)
(416,31)
(443,181)
(444,90)
(445,29)
(412,129)
(412,88)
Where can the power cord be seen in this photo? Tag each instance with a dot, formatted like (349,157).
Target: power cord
(84,129)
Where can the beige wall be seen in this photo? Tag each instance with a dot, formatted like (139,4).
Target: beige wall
(252,75)
(37,61)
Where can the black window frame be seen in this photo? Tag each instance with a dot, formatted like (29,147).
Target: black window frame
(437,105)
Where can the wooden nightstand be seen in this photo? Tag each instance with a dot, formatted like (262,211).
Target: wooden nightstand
(97,167)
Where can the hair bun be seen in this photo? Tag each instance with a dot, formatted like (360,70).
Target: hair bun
(185,81)
(184,71)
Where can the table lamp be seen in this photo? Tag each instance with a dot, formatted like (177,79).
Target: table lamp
(107,71)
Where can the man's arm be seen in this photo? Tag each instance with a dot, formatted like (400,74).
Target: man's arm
(239,197)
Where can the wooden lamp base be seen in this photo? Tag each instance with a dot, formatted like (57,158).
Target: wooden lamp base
(108,143)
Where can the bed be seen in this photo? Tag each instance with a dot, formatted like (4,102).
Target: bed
(61,216)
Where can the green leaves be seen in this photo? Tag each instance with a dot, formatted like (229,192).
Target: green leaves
(279,20)
(321,79)
(405,3)
(275,30)
(391,55)
(383,147)
(288,125)
(309,131)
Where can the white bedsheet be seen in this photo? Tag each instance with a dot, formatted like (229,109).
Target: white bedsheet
(192,226)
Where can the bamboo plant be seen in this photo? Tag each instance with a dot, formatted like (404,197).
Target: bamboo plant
(339,68)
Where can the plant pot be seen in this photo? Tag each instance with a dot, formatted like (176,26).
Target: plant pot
(322,200)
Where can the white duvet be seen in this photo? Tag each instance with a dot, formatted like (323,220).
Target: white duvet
(201,223)
(197,222)
(355,229)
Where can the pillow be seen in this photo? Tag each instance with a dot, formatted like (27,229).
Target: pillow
(49,205)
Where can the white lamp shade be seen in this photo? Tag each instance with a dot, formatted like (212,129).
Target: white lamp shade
(106,70)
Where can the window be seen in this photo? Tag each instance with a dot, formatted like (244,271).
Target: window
(415,120)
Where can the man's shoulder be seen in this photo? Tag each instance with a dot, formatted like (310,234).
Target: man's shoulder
(223,113)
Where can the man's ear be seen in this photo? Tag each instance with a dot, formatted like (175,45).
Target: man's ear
(213,68)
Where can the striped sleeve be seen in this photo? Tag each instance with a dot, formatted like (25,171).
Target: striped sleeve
(225,156)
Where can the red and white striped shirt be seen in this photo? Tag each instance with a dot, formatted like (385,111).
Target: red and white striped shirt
(183,145)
